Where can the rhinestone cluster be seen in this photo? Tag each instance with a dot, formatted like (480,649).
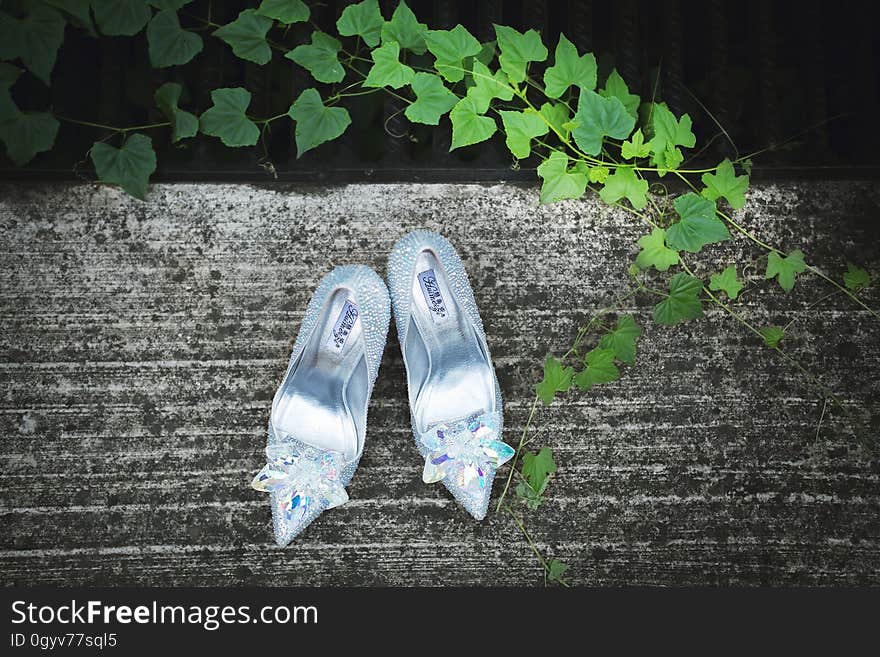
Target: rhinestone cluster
(465,452)
(302,480)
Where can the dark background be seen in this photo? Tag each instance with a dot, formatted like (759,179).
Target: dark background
(799,75)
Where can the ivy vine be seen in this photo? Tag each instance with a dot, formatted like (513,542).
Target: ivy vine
(591,135)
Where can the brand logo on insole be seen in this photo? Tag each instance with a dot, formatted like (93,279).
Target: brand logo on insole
(343,326)
(433,296)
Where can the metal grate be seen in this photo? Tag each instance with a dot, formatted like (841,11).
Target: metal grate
(767,72)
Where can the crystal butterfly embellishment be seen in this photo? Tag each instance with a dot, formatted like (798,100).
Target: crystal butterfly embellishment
(464,453)
(304,481)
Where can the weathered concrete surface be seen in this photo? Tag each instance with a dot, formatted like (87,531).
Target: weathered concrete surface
(141,343)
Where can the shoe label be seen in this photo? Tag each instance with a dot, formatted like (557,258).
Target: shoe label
(343,326)
(433,296)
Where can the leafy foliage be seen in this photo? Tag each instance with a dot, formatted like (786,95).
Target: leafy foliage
(169,44)
(726,282)
(557,378)
(521,128)
(536,471)
(121,17)
(450,48)
(599,368)
(468,125)
(697,226)
(406,30)
(569,69)
(433,99)
(129,166)
(315,123)
(856,278)
(388,70)
(624,183)
(683,301)
(362,19)
(655,253)
(785,268)
(227,118)
(561,181)
(34,39)
(183,124)
(246,35)
(598,117)
(320,58)
(772,336)
(285,11)
(518,50)
(622,339)
(725,183)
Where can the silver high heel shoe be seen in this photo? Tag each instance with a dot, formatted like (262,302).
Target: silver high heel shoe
(319,415)
(454,398)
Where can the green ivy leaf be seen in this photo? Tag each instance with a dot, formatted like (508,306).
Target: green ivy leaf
(698,225)
(121,17)
(173,5)
(569,69)
(27,133)
(615,87)
(129,167)
(227,118)
(669,134)
(727,184)
(388,70)
(315,123)
(468,127)
(517,50)
(683,302)
(855,278)
(785,268)
(556,570)
(600,368)
(35,39)
(404,28)
(287,12)
(726,282)
(78,13)
(520,128)
(487,53)
(487,86)
(635,147)
(246,35)
(433,99)
(772,336)
(600,117)
(560,182)
(362,19)
(622,340)
(450,48)
(556,379)
(529,495)
(598,174)
(320,58)
(169,44)
(654,251)
(537,468)
(8,75)
(556,114)
(624,183)
(183,124)
(24,134)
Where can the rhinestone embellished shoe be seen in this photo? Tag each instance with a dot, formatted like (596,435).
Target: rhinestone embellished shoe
(319,415)
(454,398)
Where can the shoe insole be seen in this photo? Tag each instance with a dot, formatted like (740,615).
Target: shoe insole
(449,370)
(322,400)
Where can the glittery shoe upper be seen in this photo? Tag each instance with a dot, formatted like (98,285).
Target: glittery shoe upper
(463,452)
(305,480)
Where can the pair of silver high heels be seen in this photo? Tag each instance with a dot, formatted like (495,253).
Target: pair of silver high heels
(318,420)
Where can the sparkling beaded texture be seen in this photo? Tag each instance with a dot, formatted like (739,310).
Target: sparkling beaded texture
(469,471)
(304,480)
